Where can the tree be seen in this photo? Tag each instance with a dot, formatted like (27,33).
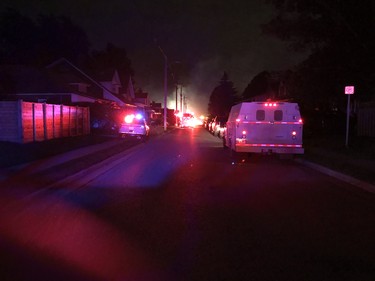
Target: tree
(60,37)
(338,34)
(259,85)
(222,98)
(18,40)
(111,58)
(25,41)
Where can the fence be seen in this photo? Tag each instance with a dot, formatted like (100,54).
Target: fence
(24,122)
(366,121)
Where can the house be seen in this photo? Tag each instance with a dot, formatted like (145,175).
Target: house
(62,83)
(106,86)
(113,85)
(141,99)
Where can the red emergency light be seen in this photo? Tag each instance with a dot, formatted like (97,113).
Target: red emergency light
(270,104)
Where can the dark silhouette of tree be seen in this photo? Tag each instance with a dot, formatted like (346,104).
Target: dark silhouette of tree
(269,85)
(60,37)
(259,85)
(18,38)
(111,58)
(222,98)
(342,44)
(24,41)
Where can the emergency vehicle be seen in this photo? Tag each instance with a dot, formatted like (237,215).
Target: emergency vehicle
(264,127)
(187,120)
(134,125)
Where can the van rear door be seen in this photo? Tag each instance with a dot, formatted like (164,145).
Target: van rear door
(277,124)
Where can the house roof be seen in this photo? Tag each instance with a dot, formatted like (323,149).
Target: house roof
(141,95)
(29,79)
(65,73)
(57,78)
(105,75)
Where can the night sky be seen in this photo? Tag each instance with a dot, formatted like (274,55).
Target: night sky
(207,36)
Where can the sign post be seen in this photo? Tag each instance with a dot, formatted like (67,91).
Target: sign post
(349,90)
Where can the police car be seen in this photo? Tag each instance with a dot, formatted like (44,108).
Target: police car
(134,125)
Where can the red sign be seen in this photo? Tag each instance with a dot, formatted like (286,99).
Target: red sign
(349,90)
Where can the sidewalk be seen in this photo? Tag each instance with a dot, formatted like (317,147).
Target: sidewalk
(61,157)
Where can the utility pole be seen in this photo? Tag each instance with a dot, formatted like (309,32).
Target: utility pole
(165,87)
(181,98)
(176,96)
(185,104)
(175,112)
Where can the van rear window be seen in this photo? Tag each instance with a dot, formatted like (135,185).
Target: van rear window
(278,115)
(260,115)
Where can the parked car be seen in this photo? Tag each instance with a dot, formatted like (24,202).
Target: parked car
(211,125)
(134,125)
(219,127)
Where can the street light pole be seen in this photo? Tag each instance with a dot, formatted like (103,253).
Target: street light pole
(165,87)
(181,99)
(175,112)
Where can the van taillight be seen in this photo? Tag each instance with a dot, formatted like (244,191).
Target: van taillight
(294,134)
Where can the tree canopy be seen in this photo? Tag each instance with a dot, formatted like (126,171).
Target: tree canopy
(339,35)
(259,85)
(222,98)
(40,41)
(112,57)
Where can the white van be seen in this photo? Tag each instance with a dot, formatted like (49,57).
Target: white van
(264,127)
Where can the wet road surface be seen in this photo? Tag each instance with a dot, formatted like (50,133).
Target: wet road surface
(178,208)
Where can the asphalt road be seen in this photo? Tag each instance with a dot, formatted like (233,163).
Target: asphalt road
(178,208)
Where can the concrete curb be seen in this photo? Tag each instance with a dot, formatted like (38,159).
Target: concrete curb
(348,179)
(83,177)
(43,164)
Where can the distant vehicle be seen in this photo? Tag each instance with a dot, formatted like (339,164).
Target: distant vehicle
(134,125)
(264,127)
(219,127)
(188,120)
(211,125)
